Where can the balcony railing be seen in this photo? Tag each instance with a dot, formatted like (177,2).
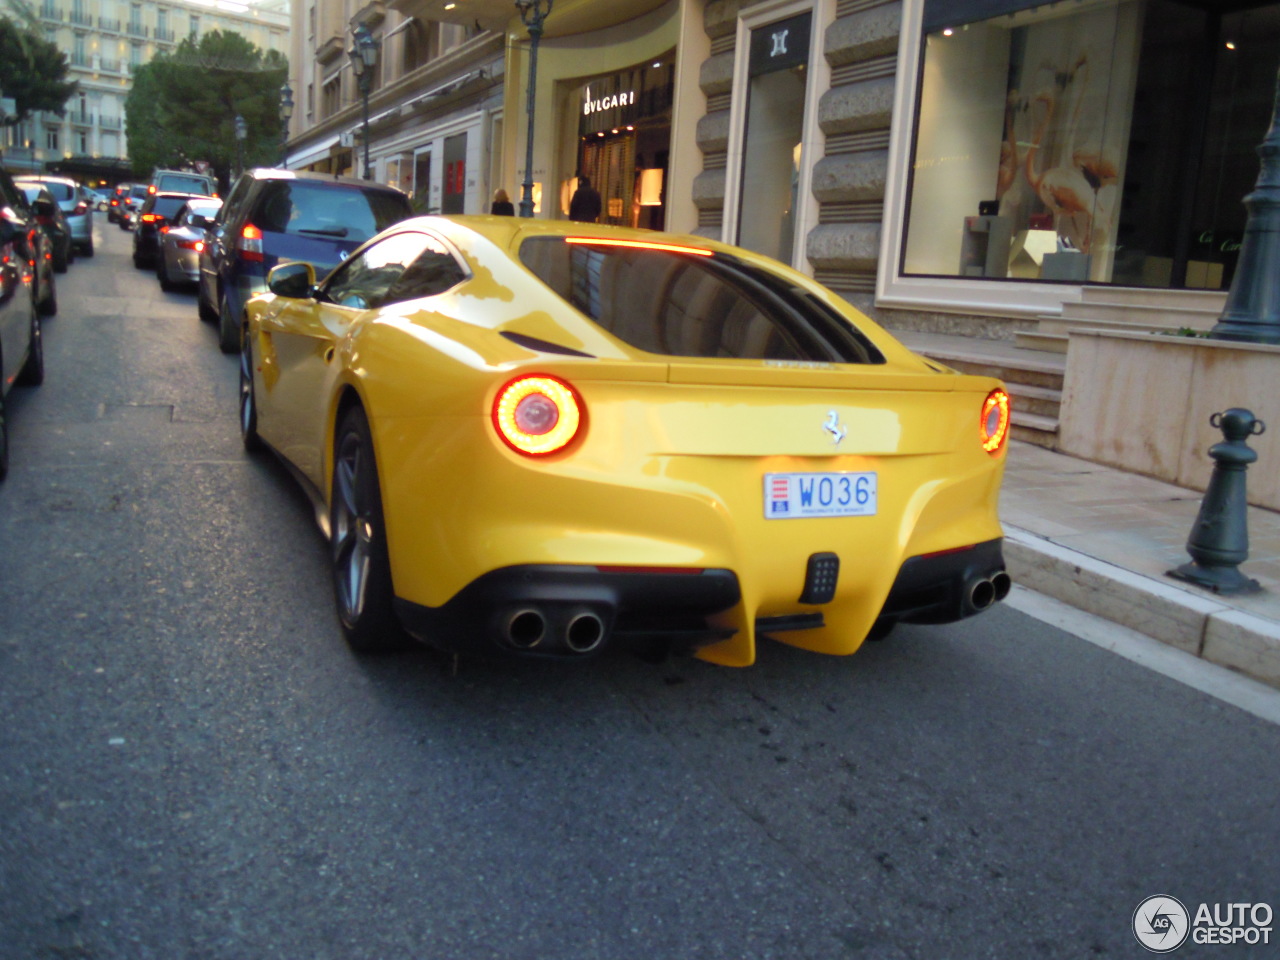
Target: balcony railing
(109,123)
(81,19)
(109,66)
(82,117)
(109,24)
(164,34)
(79,59)
(50,11)
(136,29)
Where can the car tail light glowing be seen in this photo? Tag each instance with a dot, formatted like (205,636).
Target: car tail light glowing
(196,245)
(151,188)
(639,245)
(994,424)
(251,243)
(81,208)
(151,217)
(537,415)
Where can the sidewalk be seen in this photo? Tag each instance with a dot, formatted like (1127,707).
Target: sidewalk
(1102,540)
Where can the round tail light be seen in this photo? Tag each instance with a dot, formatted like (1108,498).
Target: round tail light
(994,425)
(537,415)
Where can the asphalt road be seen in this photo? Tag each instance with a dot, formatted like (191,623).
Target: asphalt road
(193,765)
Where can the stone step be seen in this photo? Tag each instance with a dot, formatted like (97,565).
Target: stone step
(1037,401)
(1030,372)
(1209,300)
(1031,428)
(1046,342)
(1154,317)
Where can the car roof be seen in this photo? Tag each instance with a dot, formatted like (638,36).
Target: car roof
(273,173)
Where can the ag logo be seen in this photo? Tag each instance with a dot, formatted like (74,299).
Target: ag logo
(1161,924)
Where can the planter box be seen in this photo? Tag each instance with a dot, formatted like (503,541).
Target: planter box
(1142,402)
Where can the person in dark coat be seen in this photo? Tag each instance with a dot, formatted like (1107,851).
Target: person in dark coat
(502,205)
(585,205)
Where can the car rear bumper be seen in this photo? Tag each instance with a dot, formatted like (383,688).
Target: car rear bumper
(565,610)
(568,610)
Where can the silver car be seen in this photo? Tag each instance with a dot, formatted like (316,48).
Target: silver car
(178,255)
(76,202)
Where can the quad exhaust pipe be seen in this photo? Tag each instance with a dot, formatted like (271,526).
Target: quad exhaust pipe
(530,628)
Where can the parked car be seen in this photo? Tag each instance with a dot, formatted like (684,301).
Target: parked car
(156,213)
(100,200)
(131,205)
(26,294)
(115,204)
(273,215)
(549,438)
(76,202)
(181,241)
(182,181)
(52,221)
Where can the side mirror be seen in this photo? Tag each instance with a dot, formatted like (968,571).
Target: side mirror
(296,280)
(44,208)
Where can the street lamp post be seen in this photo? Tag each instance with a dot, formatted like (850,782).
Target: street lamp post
(242,131)
(532,15)
(364,58)
(286,111)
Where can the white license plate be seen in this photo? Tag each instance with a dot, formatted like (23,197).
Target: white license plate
(791,495)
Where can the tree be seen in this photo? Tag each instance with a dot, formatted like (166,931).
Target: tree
(183,105)
(33,71)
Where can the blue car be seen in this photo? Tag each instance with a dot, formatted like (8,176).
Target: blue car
(273,216)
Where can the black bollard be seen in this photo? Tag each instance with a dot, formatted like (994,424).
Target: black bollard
(1219,539)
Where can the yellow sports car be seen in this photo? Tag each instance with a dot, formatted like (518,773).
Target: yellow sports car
(551,438)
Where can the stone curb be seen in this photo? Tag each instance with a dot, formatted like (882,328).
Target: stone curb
(1199,625)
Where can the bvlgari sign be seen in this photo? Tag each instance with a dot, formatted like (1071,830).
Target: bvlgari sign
(611,102)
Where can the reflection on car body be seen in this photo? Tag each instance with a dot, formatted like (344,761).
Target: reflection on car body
(552,438)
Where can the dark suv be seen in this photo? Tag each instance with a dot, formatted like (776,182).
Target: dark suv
(281,215)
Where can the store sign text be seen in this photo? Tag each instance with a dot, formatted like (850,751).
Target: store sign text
(589,106)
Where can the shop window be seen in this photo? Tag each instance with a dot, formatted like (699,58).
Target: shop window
(1088,141)
(455,174)
(774,131)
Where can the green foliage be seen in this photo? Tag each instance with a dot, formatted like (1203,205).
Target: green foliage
(32,70)
(183,106)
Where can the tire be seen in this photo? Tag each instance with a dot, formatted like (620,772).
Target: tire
(881,629)
(4,438)
(203,307)
(358,545)
(32,372)
(162,275)
(48,307)
(248,400)
(87,249)
(228,328)
(61,261)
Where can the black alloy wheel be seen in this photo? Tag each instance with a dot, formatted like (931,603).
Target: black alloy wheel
(248,403)
(358,545)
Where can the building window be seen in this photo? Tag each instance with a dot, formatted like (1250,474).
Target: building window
(1103,142)
(775,111)
(51,138)
(82,142)
(331,96)
(194,30)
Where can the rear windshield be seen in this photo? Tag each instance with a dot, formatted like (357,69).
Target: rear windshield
(183,182)
(60,191)
(685,305)
(318,209)
(168,206)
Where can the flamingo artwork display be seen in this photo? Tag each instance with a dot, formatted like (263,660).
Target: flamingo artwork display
(1074,189)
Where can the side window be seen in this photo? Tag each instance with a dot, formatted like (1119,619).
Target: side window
(401,267)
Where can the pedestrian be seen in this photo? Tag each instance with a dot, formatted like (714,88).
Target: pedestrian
(585,205)
(502,205)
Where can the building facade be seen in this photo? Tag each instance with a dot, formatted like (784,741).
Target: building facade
(104,42)
(959,165)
